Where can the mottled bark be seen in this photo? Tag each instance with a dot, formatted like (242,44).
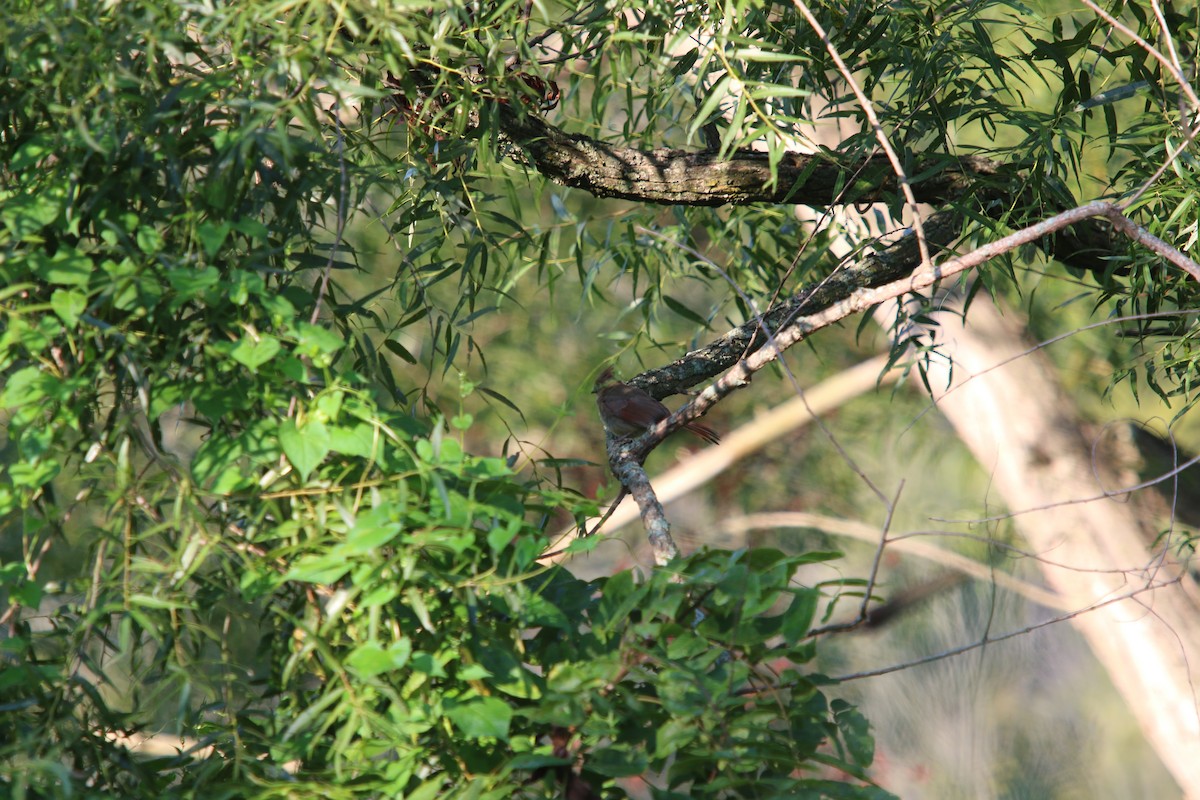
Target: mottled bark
(705,178)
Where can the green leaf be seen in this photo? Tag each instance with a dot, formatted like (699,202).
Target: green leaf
(481,717)
(429,790)
(372,659)
(617,762)
(67,267)
(29,154)
(673,735)
(400,350)
(856,732)
(768,56)
(212,236)
(319,344)
(708,108)
(508,674)
(252,228)
(26,385)
(68,304)
(473,672)
(28,594)
(149,240)
(584,544)
(499,538)
(798,619)
(355,440)
(191,284)
(254,351)
(683,311)
(528,761)
(305,447)
(371,531)
(320,569)
(149,601)
(537,611)
(242,285)
(27,214)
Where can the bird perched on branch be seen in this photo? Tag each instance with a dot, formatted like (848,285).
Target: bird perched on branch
(628,411)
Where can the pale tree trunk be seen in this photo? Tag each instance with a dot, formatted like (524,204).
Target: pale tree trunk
(1024,431)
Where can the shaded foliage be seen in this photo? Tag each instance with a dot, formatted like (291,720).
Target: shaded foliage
(240,305)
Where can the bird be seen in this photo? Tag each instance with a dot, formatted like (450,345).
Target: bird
(628,411)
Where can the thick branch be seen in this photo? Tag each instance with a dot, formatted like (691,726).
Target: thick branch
(628,469)
(1082,245)
(876,269)
(673,176)
(682,177)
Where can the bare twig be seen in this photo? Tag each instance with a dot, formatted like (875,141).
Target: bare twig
(987,640)
(862,615)
(1044,344)
(1105,495)
(343,190)
(868,109)
(904,544)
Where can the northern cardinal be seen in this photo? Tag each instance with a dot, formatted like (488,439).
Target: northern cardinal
(628,411)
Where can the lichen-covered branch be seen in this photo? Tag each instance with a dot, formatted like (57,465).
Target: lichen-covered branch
(705,178)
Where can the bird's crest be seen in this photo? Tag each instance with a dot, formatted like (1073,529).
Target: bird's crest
(606,377)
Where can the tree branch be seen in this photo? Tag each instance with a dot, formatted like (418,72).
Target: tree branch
(671,176)
(625,455)
(704,178)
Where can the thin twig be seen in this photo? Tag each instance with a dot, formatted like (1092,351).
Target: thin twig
(1105,495)
(956,651)
(1042,345)
(876,126)
(343,183)
(872,577)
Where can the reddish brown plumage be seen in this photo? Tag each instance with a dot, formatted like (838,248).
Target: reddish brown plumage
(628,411)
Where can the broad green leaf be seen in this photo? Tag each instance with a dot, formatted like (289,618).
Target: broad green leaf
(355,440)
(617,761)
(67,267)
(321,569)
(798,618)
(481,717)
(68,304)
(212,236)
(856,732)
(31,152)
(306,446)
(255,350)
(319,344)
(371,531)
(190,284)
(370,659)
(26,385)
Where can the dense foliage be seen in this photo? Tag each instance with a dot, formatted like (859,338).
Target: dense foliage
(247,252)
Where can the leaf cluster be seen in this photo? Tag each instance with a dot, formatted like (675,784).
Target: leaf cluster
(226,528)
